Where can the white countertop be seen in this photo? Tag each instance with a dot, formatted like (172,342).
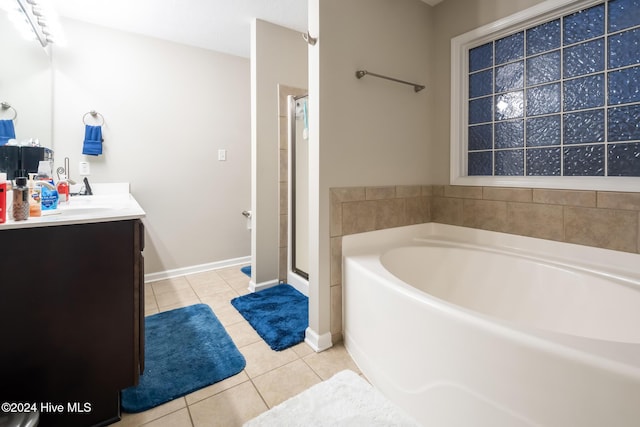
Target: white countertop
(109,202)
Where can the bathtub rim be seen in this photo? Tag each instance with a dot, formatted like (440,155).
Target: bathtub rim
(620,357)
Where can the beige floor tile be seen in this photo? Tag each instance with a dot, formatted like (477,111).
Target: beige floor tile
(220,299)
(243,334)
(205,289)
(239,283)
(134,420)
(150,299)
(216,388)
(286,381)
(302,349)
(179,418)
(151,311)
(230,408)
(261,359)
(169,285)
(228,315)
(231,272)
(181,297)
(331,361)
(204,278)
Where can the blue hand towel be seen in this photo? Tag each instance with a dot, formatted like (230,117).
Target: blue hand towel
(7,131)
(92,140)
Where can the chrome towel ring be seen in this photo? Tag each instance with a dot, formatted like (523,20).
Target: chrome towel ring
(95,115)
(7,106)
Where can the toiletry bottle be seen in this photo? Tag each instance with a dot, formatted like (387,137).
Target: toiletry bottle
(3,197)
(48,197)
(34,197)
(20,199)
(63,190)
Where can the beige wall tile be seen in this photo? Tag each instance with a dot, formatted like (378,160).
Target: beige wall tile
(336,260)
(336,309)
(565,197)
(507,194)
(485,214)
(535,220)
(604,228)
(417,210)
(427,190)
(378,193)
(284,165)
(614,200)
(390,213)
(462,191)
(282,263)
(446,211)
(283,133)
(437,190)
(283,196)
(284,232)
(358,217)
(408,191)
(335,217)
(347,194)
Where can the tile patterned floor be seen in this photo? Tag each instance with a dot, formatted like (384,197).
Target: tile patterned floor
(269,378)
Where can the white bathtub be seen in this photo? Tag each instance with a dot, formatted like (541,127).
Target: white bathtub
(464,327)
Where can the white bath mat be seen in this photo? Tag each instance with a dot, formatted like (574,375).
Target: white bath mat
(343,400)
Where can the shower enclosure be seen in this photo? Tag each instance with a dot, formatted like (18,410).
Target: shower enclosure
(298,257)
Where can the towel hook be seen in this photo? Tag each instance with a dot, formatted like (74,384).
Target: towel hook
(93,114)
(7,106)
(311,40)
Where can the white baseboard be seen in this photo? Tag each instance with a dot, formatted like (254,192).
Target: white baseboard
(161,275)
(255,287)
(317,342)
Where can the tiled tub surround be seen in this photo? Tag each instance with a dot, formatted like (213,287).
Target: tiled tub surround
(603,219)
(360,209)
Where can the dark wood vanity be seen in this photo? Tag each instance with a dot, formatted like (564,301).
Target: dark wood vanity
(72,318)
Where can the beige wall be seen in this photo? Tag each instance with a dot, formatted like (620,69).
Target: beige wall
(369,131)
(452,18)
(168,108)
(278,56)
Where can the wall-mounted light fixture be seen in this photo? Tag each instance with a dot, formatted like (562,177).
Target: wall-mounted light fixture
(36,18)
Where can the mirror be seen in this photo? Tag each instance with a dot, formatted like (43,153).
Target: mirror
(25,82)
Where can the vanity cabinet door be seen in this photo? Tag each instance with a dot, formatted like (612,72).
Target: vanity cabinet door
(138,247)
(71,307)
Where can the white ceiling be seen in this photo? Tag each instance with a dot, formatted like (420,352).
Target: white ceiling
(220,25)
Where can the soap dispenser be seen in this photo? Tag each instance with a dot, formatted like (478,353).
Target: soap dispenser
(63,190)
(35,208)
(48,193)
(20,199)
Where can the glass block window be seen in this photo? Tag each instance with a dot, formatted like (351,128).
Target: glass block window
(557,99)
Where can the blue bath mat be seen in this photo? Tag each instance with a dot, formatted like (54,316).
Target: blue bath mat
(186,349)
(246,270)
(280,315)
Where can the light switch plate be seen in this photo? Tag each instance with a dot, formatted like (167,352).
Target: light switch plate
(84,168)
(222,154)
